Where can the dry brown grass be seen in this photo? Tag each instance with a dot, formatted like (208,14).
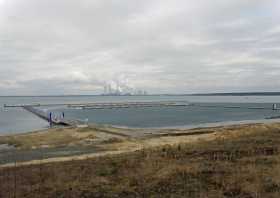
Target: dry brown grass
(56,137)
(240,162)
(51,138)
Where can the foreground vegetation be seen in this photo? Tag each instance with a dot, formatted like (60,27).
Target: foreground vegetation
(237,163)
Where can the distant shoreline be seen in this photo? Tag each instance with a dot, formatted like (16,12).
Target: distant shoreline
(240,94)
(192,94)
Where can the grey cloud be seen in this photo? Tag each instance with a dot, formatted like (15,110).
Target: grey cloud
(170,46)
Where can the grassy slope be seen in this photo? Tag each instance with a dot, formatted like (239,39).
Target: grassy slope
(238,163)
(57,137)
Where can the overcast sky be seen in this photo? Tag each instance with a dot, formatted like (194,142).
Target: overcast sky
(162,46)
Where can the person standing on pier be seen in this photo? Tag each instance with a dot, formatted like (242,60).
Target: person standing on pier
(50,118)
(62,116)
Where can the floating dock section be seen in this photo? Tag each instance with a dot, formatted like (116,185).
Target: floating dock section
(118,105)
(274,107)
(112,105)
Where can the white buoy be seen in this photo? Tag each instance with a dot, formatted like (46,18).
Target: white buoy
(274,107)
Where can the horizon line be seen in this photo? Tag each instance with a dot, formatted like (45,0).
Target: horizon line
(158,94)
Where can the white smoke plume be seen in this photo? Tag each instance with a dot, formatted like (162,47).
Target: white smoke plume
(121,86)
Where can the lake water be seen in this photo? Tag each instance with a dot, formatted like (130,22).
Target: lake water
(16,120)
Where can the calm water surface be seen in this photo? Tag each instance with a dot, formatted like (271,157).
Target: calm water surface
(16,120)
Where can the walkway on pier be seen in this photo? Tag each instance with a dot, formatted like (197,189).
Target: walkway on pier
(45,116)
